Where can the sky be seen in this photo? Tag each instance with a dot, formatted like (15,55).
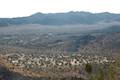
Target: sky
(19,8)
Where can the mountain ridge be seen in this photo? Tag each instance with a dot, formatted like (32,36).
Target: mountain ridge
(62,18)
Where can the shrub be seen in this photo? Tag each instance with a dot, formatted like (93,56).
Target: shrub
(88,68)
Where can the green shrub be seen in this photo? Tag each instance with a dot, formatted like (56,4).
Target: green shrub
(88,68)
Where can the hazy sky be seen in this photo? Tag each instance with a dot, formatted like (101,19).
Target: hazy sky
(18,8)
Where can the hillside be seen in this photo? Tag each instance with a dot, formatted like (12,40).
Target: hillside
(10,72)
(58,46)
(41,39)
(62,18)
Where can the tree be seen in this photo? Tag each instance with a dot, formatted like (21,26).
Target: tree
(88,68)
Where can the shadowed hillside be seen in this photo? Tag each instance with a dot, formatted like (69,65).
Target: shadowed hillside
(11,72)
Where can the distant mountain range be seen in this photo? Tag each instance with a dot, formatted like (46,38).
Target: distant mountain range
(62,18)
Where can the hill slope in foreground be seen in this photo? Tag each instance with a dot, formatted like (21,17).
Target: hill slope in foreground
(11,72)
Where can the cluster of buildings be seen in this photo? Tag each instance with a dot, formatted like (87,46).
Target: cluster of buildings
(47,62)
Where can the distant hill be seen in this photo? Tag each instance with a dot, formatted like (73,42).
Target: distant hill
(62,18)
